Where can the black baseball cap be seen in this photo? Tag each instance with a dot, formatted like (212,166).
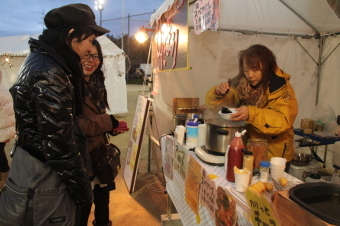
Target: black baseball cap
(73,14)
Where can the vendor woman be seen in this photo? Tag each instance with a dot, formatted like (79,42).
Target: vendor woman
(266,100)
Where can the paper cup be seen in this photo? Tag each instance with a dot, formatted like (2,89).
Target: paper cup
(278,161)
(277,171)
(242,181)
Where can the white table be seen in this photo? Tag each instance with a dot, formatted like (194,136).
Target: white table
(175,185)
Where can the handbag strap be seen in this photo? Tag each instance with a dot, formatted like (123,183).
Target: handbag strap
(115,147)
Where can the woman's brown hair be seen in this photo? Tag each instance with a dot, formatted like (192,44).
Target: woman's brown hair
(258,57)
(98,72)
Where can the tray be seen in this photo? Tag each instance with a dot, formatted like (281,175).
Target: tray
(321,199)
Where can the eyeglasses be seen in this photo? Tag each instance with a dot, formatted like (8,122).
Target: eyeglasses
(94,57)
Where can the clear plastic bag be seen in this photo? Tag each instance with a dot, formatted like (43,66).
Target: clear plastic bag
(335,179)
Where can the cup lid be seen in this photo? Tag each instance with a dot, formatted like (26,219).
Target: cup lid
(264,163)
(192,123)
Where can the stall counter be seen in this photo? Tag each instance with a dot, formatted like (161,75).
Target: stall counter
(176,159)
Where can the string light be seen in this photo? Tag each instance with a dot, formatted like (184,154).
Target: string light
(7,62)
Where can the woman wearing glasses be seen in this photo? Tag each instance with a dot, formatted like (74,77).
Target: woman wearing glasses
(96,123)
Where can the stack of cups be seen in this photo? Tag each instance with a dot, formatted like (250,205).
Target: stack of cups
(277,167)
(202,134)
(192,134)
(242,179)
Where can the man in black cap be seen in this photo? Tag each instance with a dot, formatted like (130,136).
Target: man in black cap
(51,161)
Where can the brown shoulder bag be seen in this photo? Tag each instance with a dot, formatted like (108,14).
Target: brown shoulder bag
(106,162)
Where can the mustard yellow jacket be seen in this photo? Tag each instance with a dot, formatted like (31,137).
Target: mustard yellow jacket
(273,119)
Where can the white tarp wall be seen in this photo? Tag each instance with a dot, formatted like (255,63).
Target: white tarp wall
(114,72)
(9,74)
(330,74)
(16,48)
(213,56)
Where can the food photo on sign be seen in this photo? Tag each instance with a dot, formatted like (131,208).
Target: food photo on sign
(226,209)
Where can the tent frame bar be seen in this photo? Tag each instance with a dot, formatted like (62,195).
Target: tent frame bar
(251,32)
(330,53)
(303,19)
(307,52)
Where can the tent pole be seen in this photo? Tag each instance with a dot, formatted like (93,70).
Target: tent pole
(296,13)
(321,41)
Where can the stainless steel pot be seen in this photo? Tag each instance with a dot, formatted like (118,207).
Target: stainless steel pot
(221,133)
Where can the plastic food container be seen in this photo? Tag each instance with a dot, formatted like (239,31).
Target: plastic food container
(259,147)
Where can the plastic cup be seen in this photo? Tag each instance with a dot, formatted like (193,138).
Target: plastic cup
(278,161)
(277,167)
(242,181)
(277,171)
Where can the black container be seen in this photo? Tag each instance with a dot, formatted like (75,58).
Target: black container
(322,199)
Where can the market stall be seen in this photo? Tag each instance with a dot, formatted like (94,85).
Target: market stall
(196,189)
(195,46)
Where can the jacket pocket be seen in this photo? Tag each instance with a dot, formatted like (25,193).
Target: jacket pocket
(14,204)
(61,207)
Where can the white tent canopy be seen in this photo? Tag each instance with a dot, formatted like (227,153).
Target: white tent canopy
(302,34)
(114,71)
(303,17)
(16,49)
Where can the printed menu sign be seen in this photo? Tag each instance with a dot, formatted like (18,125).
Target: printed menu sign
(208,193)
(206,15)
(262,212)
(135,142)
(180,160)
(192,186)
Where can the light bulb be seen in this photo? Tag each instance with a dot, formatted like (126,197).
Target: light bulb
(166,28)
(141,37)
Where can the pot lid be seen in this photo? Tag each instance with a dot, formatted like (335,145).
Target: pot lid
(224,123)
(188,115)
(314,176)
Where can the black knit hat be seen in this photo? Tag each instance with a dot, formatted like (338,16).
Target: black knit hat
(73,14)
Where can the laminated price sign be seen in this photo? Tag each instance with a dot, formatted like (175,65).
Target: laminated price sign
(262,212)
(192,186)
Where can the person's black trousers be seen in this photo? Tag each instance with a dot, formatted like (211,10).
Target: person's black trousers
(4,167)
(101,203)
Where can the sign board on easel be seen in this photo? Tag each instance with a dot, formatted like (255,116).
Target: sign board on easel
(135,142)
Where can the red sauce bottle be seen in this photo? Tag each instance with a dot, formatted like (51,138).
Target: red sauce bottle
(235,155)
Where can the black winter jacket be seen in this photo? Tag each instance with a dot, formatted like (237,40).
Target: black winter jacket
(45,120)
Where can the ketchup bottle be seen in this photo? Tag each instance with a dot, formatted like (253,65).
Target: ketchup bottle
(235,155)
